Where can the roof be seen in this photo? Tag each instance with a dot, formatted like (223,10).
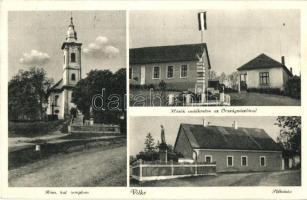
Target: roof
(57,86)
(263,62)
(70,43)
(162,54)
(219,137)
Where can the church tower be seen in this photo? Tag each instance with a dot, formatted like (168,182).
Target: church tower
(71,67)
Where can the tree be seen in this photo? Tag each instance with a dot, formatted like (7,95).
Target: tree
(290,133)
(149,143)
(222,78)
(105,92)
(212,75)
(27,92)
(234,78)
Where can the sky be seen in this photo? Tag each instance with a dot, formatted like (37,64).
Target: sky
(141,126)
(35,39)
(233,37)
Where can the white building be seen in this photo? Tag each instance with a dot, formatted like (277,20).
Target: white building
(265,72)
(59,100)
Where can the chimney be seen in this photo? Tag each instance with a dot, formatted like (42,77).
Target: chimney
(291,70)
(283,60)
(235,125)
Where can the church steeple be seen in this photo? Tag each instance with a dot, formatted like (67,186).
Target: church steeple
(71,35)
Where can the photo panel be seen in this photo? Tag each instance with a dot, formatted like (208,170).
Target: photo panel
(215,151)
(66,88)
(243,57)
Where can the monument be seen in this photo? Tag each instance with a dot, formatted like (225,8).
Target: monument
(163,146)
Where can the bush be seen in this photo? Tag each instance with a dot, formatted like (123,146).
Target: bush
(32,129)
(293,87)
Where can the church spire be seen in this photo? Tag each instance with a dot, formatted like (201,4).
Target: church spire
(71,35)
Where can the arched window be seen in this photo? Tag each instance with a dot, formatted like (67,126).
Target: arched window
(56,97)
(72,57)
(73,77)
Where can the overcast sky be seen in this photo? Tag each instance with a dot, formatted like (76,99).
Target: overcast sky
(233,36)
(141,126)
(35,39)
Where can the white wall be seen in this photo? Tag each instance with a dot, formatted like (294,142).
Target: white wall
(276,77)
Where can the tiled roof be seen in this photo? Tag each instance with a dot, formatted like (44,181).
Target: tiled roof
(163,54)
(218,137)
(263,62)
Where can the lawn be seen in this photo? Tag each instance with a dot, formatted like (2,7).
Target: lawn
(281,178)
(260,99)
(146,98)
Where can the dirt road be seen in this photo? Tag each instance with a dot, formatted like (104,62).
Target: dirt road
(91,167)
(282,178)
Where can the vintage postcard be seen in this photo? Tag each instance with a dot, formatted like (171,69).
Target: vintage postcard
(153,99)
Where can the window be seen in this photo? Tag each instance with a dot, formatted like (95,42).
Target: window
(262,161)
(184,71)
(130,72)
(170,72)
(156,72)
(72,57)
(56,97)
(208,158)
(264,78)
(244,161)
(73,77)
(229,161)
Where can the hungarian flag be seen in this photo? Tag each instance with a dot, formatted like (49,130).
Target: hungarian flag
(202,24)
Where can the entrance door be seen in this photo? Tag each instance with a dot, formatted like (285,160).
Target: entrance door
(143,75)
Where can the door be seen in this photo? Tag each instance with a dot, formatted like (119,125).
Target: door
(143,75)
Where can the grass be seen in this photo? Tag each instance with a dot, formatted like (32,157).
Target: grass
(260,99)
(141,97)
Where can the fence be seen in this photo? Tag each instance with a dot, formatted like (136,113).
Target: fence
(105,129)
(148,171)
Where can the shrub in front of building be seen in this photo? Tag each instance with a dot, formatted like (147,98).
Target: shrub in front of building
(293,87)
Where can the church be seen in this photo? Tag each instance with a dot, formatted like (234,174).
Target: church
(59,100)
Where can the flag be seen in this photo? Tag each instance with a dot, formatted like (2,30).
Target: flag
(202,24)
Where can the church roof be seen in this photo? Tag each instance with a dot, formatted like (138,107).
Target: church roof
(57,86)
(263,62)
(219,137)
(163,54)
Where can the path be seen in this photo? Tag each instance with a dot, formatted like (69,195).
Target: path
(93,167)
